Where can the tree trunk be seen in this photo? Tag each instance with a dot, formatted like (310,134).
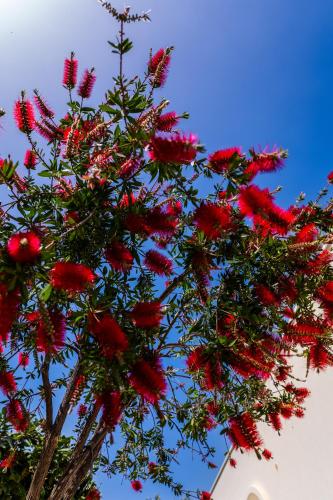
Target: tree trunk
(51,441)
(79,467)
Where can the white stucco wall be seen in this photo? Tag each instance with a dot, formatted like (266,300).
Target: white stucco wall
(302,464)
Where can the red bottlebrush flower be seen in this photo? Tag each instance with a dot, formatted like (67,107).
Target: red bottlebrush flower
(325,292)
(318,357)
(24,247)
(212,408)
(174,208)
(275,420)
(8,462)
(316,266)
(161,222)
(243,432)
(129,167)
(93,494)
(213,375)
(301,393)
(23,359)
(166,122)
(110,337)
(127,200)
(119,256)
(147,315)
(176,148)
(30,159)
(213,219)
(24,116)
(7,383)
(266,296)
(16,416)
(148,380)
(82,410)
(330,177)
(86,84)
(205,495)
(197,359)
(209,423)
(304,333)
(112,407)
(264,162)
(258,204)
(42,106)
(158,67)
(221,160)
(299,413)
(71,277)
(233,463)
(72,217)
(306,234)
(9,302)
(70,72)
(286,410)
(51,329)
(136,485)
(158,263)
(49,131)
(267,454)
(287,290)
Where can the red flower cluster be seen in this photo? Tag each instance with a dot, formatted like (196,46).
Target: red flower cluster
(319,358)
(304,333)
(71,277)
(158,263)
(129,167)
(166,122)
(24,247)
(275,421)
(233,463)
(211,367)
(148,380)
(42,106)
(70,72)
(158,67)
(136,485)
(243,432)
(264,162)
(16,415)
(93,494)
(110,337)
(308,233)
(9,302)
(112,407)
(23,359)
(258,204)
(8,462)
(7,382)
(30,159)
(266,296)
(86,84)
(50,330)
(213,219)
(267,454)
(24,116)
(175,148)
(82,410)
(49,131)
(119,256)
(222,160)
(205,495)
(147,315)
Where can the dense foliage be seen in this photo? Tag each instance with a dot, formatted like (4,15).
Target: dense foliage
(137,304)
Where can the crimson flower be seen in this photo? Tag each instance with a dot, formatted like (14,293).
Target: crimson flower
(109,335)
(158,67)
(213,219)
(70,72)
(158,263)
(24,247)
(205,495)
(23,359)
(243,432)
(7,382)
(71,277)
(86,84)
(221,160)
(93,494)
(42,106)
(148,380)
(175,148)
(147,315)
(167,121)
(136,485)
(24,115)
(9,302)
(30,159)
(119,256)
(16,415)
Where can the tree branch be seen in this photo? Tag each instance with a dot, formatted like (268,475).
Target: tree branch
(47,392)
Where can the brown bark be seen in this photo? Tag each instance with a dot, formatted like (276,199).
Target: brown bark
(79,467)
(51,441)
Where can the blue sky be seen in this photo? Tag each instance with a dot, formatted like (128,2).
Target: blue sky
(250,72)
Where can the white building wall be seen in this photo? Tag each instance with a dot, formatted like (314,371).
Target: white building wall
(302,464)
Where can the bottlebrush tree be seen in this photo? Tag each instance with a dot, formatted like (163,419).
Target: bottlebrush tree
(131,303)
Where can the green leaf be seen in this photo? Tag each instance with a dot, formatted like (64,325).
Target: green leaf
(46,293)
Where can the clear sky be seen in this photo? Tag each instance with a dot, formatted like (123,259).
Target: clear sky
(250,72)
